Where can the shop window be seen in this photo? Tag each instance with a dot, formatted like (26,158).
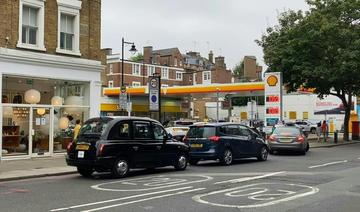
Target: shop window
(292,114)
(285,114)
(31,25)
(305,115)
(69,27)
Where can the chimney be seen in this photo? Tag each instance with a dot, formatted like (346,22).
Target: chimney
(148,54)
(211,56)
(220,62)
(108,51)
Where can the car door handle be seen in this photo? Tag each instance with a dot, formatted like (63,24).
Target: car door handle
(135,148)
(158,147)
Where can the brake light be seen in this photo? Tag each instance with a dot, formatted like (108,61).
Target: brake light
(101,149)
(300,138)
(214,138)
(272,138)
(68,148)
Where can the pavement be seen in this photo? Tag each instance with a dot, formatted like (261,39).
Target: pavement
(56,165)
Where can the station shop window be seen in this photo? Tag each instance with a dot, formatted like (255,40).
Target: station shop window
(305,115)
(292,115)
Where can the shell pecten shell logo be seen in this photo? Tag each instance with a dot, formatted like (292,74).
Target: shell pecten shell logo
(272,80)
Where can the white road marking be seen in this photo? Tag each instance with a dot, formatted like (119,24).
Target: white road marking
(328,164)
(197,198)
(142,200)
(165,185)
(359,158)
(250,178)
(122,198)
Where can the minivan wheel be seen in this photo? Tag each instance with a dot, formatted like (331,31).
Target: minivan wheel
(226,158)
(307,147)
(181,162)
(263,154)
(120,168)
(85,172)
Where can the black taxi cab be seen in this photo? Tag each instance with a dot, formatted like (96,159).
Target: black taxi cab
(117,144)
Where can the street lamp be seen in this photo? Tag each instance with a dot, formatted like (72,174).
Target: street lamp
(132,50)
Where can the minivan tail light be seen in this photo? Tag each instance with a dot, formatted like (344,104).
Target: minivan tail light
(214,138)
(300,138)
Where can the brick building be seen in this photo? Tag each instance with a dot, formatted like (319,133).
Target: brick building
(50,58)
(251,70)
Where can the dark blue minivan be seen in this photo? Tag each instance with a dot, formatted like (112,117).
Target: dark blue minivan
(224,142)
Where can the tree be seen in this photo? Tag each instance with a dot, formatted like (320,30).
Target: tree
(318,49)
(137,58)
(239,69)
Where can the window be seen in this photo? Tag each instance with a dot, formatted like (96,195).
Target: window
(151,70)
(206,77)
(136,69)
(120,131)
(69,27)
(305,115)
(159,132)
(111,84)
(244,131)
(292,114)
(31,25)
(230,130)
(142,130)
(178,75)
(175,62)
(111,68)
(164,73)
(136,84)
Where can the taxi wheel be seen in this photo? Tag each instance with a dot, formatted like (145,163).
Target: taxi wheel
(263,154)
(227,157)
(181,162)
(120,168)
(85,172)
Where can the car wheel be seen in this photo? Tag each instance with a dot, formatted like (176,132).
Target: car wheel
(226,158)
(272,152)
(181,162)
(307,147)
(263,154)
(194,161)
(85,172)
(120,168)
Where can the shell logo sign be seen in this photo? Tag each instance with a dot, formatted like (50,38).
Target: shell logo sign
(272,80)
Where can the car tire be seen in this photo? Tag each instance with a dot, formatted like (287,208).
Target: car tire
(271,152)
(227,157)
(263,154)
(85,172)
(194,162)
(307,147)
(120,168)
(181,162)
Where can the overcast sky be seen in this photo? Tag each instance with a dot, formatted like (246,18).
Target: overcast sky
(228,27)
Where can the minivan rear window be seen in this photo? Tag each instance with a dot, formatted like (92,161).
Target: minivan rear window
(201,132)
(287,131)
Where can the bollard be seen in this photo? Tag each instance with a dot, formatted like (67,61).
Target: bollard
(335,136)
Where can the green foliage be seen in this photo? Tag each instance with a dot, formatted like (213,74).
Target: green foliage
(239,69)
(318,49)
(137,58)
(242,101)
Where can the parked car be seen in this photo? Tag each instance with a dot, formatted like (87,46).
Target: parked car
(118,144)
(224,142)
(307,126)
(288,138)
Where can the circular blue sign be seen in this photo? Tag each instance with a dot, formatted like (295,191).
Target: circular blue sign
(153,98)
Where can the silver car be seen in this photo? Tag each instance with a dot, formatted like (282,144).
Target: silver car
(288,138)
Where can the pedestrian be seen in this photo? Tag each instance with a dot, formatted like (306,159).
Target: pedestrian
(77,129)
(318,131)
(324,130)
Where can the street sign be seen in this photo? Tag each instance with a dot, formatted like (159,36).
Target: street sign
(273,98)
(154,93)
(123,98)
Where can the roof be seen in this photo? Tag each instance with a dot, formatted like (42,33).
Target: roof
(165,51)
(215,124)
(124,118)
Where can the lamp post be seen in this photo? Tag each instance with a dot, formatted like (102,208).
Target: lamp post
(133,50)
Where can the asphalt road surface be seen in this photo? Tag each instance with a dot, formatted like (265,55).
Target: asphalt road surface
(326,179)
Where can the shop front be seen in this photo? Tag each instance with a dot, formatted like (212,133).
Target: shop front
(42,101)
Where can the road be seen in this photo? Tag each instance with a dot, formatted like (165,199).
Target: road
(326,179)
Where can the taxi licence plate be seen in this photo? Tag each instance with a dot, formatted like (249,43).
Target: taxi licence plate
(196,145)
(82,147)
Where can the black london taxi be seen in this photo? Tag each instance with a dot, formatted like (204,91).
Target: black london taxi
(117,144)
